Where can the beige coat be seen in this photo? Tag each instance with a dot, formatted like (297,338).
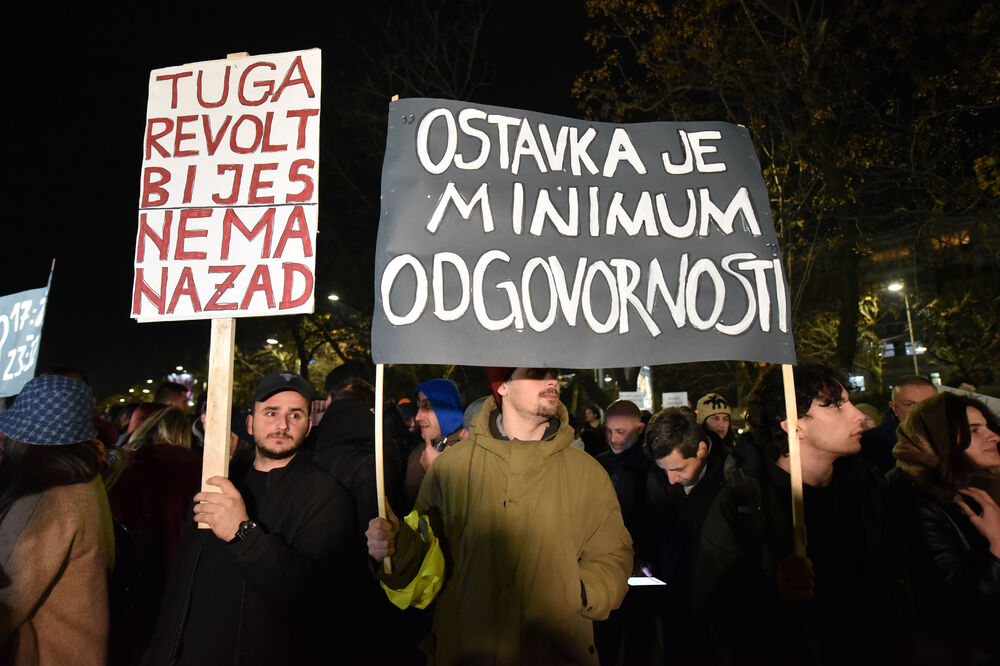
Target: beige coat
(56,551)
(522,525)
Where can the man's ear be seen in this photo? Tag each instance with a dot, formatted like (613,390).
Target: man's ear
(642,426)
(250,424)
(702,450)
(798,428)
(502,390)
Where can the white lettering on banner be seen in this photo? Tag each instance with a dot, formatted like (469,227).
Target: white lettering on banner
(537,145)
(700,212)
(620,280)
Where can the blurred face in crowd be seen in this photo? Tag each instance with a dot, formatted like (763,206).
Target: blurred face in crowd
(531,392)
(983,445)
(719,424)
(279,424)
(833,425)
(589,414)
(681,470)
(622,431)
(427,420)
(906,397)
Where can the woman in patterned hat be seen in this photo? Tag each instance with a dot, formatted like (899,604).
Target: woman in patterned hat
(945,490)
(715,416)
(56,535)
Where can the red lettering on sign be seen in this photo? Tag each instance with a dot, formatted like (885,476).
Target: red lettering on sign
(151,137)
(259,281)
(295,228)
(185,287)
(286,297)
(153,194)
(223,287)
(265,224)
(225,91)
(173,78)
(288,81)
(143,289)
(307,182)
(189,183)
(267,147)
(258,134)
(256,183)
(183,233)
(213,142)
(181,136)
(161,242)
(269,84)
(237,170)
(303,115)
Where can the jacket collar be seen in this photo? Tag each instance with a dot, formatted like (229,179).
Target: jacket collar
(482,432)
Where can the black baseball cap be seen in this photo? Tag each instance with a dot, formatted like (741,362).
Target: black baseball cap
(277,382)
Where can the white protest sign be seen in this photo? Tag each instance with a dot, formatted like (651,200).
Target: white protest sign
(228,203)
(674,399)
(21,318)
(638,398)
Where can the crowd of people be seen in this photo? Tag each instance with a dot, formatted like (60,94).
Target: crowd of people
(514,532)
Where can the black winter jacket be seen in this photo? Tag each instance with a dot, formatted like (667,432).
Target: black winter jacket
(674,520)
(954,578)
(287,568)
(746,534)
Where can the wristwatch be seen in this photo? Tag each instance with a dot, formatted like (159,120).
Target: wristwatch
(244,530)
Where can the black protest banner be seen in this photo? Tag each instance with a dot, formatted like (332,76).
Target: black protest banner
(512,237)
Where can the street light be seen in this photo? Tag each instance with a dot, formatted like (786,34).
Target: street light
(898,286)
(333,297)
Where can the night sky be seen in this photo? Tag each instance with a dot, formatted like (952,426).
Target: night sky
(75,98)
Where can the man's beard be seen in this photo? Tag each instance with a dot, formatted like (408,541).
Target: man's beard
(545,408)
(274,454)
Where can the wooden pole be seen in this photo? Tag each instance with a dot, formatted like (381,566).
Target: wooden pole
(215,460)
(379,450)
(794,461)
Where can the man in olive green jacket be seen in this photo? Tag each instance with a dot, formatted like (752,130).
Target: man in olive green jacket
(517,534)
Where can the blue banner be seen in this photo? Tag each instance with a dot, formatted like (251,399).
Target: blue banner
(21,318)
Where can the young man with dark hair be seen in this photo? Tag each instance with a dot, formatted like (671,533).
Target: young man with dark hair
(681,486)
(765,604)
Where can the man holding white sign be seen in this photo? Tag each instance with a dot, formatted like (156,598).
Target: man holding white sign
(250,591)
(517,534)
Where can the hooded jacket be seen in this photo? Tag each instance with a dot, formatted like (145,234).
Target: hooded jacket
(534,545)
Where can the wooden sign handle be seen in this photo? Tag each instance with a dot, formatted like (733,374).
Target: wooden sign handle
(794,461)
(379,451)
(215,459)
